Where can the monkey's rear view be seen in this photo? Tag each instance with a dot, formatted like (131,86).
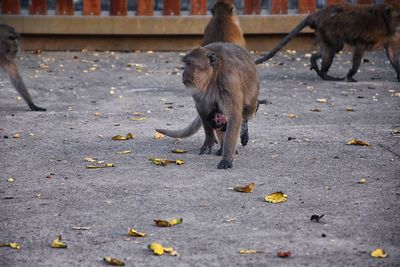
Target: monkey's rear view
(9,48)
(225,87)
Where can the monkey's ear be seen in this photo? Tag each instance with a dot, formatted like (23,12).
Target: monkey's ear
(212,57)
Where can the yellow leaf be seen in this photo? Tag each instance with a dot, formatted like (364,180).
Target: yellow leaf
(379,253)
(163,223)
(277,197)
(121,137)
(248,251)
(135,233)
(158,136)
(92,160)
(57,243)
(113,261)
(124,152)
(17,135)
(10,179)
(245,189)
(164,162)
(362,180)
(137,119)
(100,166)
(357,142)
(179,151)
(156,248)
(13,245)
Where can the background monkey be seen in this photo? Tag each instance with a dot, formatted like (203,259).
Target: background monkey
(224,81)
(224,25)
(362,27)
(8,52)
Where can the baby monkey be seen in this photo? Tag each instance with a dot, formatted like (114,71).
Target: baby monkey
(225,87)
(9,48)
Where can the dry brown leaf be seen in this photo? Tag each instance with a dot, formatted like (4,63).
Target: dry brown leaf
(122,138)
(362,180)
(245,189)
(113,261)
(321,100)
(248,251)
(158,136)
(284,254)
(17,135)
(292,116)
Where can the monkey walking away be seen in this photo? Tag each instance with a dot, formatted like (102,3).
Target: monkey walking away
(8,52)
(224,25)
(225,87)
(360,26)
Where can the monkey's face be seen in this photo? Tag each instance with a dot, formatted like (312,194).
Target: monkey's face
(223,8)
(198,68)
(8,42)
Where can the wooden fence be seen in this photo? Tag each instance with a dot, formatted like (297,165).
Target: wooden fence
(146,7)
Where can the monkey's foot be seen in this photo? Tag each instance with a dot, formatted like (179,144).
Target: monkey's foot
(33,107)
(350,79)
(327,77)
(205,149)
(225,164)
(244,137)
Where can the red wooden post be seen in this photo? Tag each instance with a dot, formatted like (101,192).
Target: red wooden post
(172,7)
(118,7)
(145,7)
(38,7)
(279,7)
(335,2)
(252,7)
(307,6)
(91,7)
(198,7)
(364,2)
(65,7)
(10,7)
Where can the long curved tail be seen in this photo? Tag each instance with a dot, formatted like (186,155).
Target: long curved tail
(304,23)
(186,132)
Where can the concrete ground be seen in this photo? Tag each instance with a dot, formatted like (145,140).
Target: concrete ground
(91,96)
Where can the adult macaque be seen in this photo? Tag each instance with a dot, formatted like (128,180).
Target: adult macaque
(360,26)
(8,52)
(224,25)
(225,87)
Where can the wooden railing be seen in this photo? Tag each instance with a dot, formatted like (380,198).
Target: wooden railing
(146,7)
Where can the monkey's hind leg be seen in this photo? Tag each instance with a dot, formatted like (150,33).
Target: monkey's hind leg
(327,58)
(244,133)
(18,83)
(314,63)
(357,57)
(393,55)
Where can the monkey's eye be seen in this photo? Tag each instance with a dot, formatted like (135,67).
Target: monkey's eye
(188,63)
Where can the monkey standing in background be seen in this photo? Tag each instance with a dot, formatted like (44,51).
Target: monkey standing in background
(224,25)
(8,52)
(225,87)
(362,27)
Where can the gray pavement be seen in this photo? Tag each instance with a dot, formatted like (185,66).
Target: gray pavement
(90,97)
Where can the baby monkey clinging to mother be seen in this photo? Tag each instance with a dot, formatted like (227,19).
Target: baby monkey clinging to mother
(225,86)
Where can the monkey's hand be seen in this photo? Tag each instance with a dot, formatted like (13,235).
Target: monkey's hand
(225,164)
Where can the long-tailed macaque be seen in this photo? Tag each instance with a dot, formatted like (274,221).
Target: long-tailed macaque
(8,52)
(360,26)
(225,87)
(224,25)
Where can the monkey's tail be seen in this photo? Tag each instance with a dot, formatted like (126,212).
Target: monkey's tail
(306,22)
(186,132)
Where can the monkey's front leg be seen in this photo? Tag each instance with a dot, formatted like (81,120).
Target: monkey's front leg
(210,140)
(231,137)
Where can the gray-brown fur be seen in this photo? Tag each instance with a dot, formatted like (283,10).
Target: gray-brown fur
(364,27)
(9,48)
(224,25)
(223,77)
